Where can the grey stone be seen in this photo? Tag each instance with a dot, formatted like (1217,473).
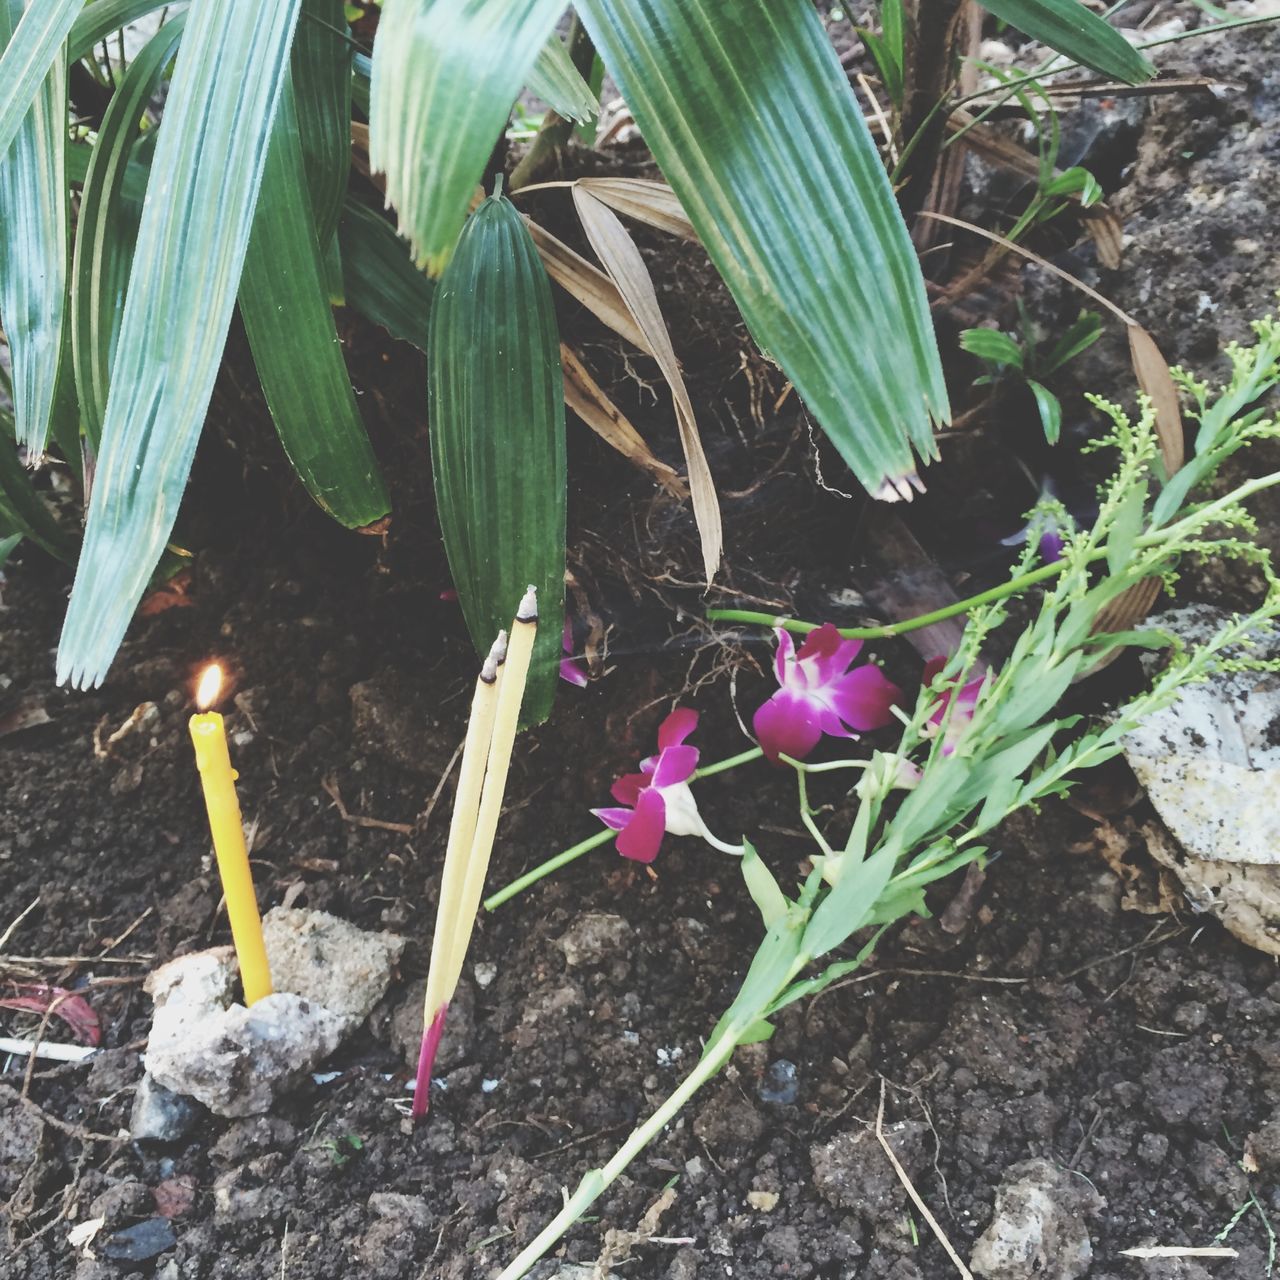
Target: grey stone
(141,1241)
(1038,1230)
(780,1084)
(593,937)
(159,1114)
(409,1212)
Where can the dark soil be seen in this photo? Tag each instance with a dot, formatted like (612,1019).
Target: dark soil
(1035,1018)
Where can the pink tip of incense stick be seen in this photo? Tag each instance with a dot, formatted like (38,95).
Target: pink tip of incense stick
(426,1057)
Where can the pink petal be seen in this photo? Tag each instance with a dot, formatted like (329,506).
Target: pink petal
(677,727)
(787,724)
(675,764)
(828,654)
(627,789)
(641,839)
(862,698)
(784,655)
(571,672)
(615,818)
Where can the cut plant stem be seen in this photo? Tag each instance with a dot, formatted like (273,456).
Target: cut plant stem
(603,836)
(462,829)
(469,863)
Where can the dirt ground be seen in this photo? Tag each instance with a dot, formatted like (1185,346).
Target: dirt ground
(1032,1019)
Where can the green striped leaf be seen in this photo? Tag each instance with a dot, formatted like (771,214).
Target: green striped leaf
(29,53)
(1069,28)
(379,276)
(322,89)
(100,18)
(22,510)
(285,305)
(191,245)
(33,239)
(107,228)
(445,76)
(559,84)
(747,110)
(497,436)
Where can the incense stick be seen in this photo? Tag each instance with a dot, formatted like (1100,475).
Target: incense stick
(475,752)
(486,761)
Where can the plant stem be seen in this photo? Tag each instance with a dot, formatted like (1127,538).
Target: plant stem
(606,834)
(602,836)
(598,1180)
(1012,587)
(555,131)
(722,766)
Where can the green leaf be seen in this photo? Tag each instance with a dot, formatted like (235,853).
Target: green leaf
(991,344)
(748,112)
(1050,409)
(379,276)
(559,84)
(849,904)
(191,245)
(285,306)
(22,510)
(33,237)
(1068,27)
(1082,334)
(99,19)
(8,546)
(498,436)
(445,75)
(33,41)
(108,227)
(762,886)
(322,90)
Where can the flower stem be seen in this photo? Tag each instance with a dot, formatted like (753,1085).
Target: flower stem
(603,836)
(722,766)
(1012,587)
(595,1182)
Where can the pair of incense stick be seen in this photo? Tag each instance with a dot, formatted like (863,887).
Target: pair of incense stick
(482,782)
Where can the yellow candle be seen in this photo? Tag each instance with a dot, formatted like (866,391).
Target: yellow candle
(218,779)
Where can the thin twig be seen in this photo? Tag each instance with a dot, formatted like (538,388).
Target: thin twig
(330,786)
(934,1226)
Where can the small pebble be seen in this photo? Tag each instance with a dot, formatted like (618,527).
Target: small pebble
(141,1241)
(779,1084)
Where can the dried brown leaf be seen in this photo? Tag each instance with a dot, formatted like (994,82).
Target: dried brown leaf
(650,202)
(584,395)
(573,273)
(1154,378)
(626,268)
(1108,235)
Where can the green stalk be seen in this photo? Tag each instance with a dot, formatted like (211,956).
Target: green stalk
(796,627)
(596,1181)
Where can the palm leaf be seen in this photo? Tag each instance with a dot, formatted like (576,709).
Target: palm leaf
(559,84)
(191,244)
(285,305)
(747,110)
(33,240)
(35,37)
(322,90)
(498,436)
(379,276)
(22,510)
(100,18)
(445,75)
(107,228)
(1068,27)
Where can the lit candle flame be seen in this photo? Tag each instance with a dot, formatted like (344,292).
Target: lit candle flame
(210,686)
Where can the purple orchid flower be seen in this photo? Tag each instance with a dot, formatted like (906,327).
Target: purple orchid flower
(821,692)
(1045,526)
(658,799)
(965,699)
(572,669)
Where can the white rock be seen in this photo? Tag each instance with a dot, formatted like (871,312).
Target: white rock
(329,960)
(327,975)
(1038,1230)
(1211,765)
